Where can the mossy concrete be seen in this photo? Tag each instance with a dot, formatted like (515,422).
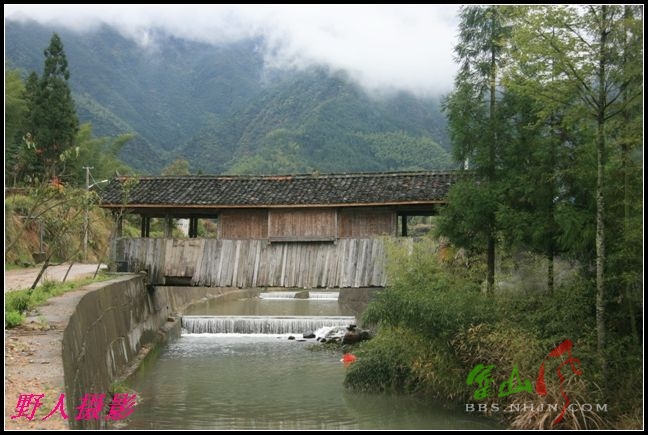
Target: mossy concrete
(357,299)
(110,329)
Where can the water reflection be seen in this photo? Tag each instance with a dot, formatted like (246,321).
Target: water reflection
(222,381)
(270,307)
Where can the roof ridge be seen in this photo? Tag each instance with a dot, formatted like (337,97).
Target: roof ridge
(285,190)
(292,176)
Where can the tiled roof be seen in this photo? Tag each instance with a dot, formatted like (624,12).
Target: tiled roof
(282,190)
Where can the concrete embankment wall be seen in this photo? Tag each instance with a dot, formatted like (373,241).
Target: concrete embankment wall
(357,299)
(110,329)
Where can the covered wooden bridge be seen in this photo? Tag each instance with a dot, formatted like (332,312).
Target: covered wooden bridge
(272,231)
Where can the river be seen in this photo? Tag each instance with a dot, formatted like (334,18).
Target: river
(266,381)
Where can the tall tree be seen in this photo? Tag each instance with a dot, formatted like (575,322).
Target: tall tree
(528,179)
(537,104)
(630,142)
(594,48)
(15,115)
(52,118)
(472,112)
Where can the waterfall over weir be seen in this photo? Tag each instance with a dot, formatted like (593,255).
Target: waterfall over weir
(278,295)
(325,296)
(255,382)
(260,324)
(304,294)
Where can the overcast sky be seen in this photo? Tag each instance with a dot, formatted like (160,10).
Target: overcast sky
(383,47)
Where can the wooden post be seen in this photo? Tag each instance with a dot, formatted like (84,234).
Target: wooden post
(115,234)
(167,226)
(404,225)
(120,226)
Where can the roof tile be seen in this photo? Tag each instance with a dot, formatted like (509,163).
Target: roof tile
(284,190)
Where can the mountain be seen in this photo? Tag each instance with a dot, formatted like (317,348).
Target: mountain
(312,121)
(217,107)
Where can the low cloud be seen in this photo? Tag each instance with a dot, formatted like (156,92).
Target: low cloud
(385,48)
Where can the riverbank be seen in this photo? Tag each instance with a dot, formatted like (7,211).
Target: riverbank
(515,354)
(102,327)
(33,363)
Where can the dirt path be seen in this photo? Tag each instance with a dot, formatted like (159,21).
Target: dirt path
(32,366)
(33,362)
(23,278)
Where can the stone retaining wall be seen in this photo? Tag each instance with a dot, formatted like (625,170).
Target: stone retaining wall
(110,328)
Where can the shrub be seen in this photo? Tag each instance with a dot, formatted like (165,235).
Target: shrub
(13,319)
(384,364)
(401,360)
(435,325)
(429,297)
(19,301)
(48,286)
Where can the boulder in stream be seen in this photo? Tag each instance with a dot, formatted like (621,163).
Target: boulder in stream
(356,335)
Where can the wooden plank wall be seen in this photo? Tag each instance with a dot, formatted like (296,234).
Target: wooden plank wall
(243,224)
(366,222)
(257,263)
(303,223)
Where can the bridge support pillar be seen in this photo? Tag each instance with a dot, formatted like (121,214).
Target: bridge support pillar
(146,226)
(168,227)
(404,225)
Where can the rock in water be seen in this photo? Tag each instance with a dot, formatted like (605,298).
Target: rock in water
(356,335)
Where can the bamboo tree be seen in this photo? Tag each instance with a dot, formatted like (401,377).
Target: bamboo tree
(528,180)
(100,153)
(537,104)
(589,51)
(15,114)
(632,118)
(472,110)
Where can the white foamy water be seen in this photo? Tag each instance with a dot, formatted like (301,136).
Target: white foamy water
(261,324)
(278,295)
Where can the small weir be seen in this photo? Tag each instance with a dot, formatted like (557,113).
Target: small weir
(305,294)
(234,368)
(278,295)
(260,324)
(324,296)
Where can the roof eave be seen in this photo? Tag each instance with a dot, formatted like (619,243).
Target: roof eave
(226,206)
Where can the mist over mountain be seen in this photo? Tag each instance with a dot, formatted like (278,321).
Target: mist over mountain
(223,110)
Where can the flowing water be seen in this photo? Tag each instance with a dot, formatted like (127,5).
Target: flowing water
(265,381)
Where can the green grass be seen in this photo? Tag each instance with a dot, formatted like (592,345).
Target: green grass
(19,302)
(434,325)
(121,387)
(13,266)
